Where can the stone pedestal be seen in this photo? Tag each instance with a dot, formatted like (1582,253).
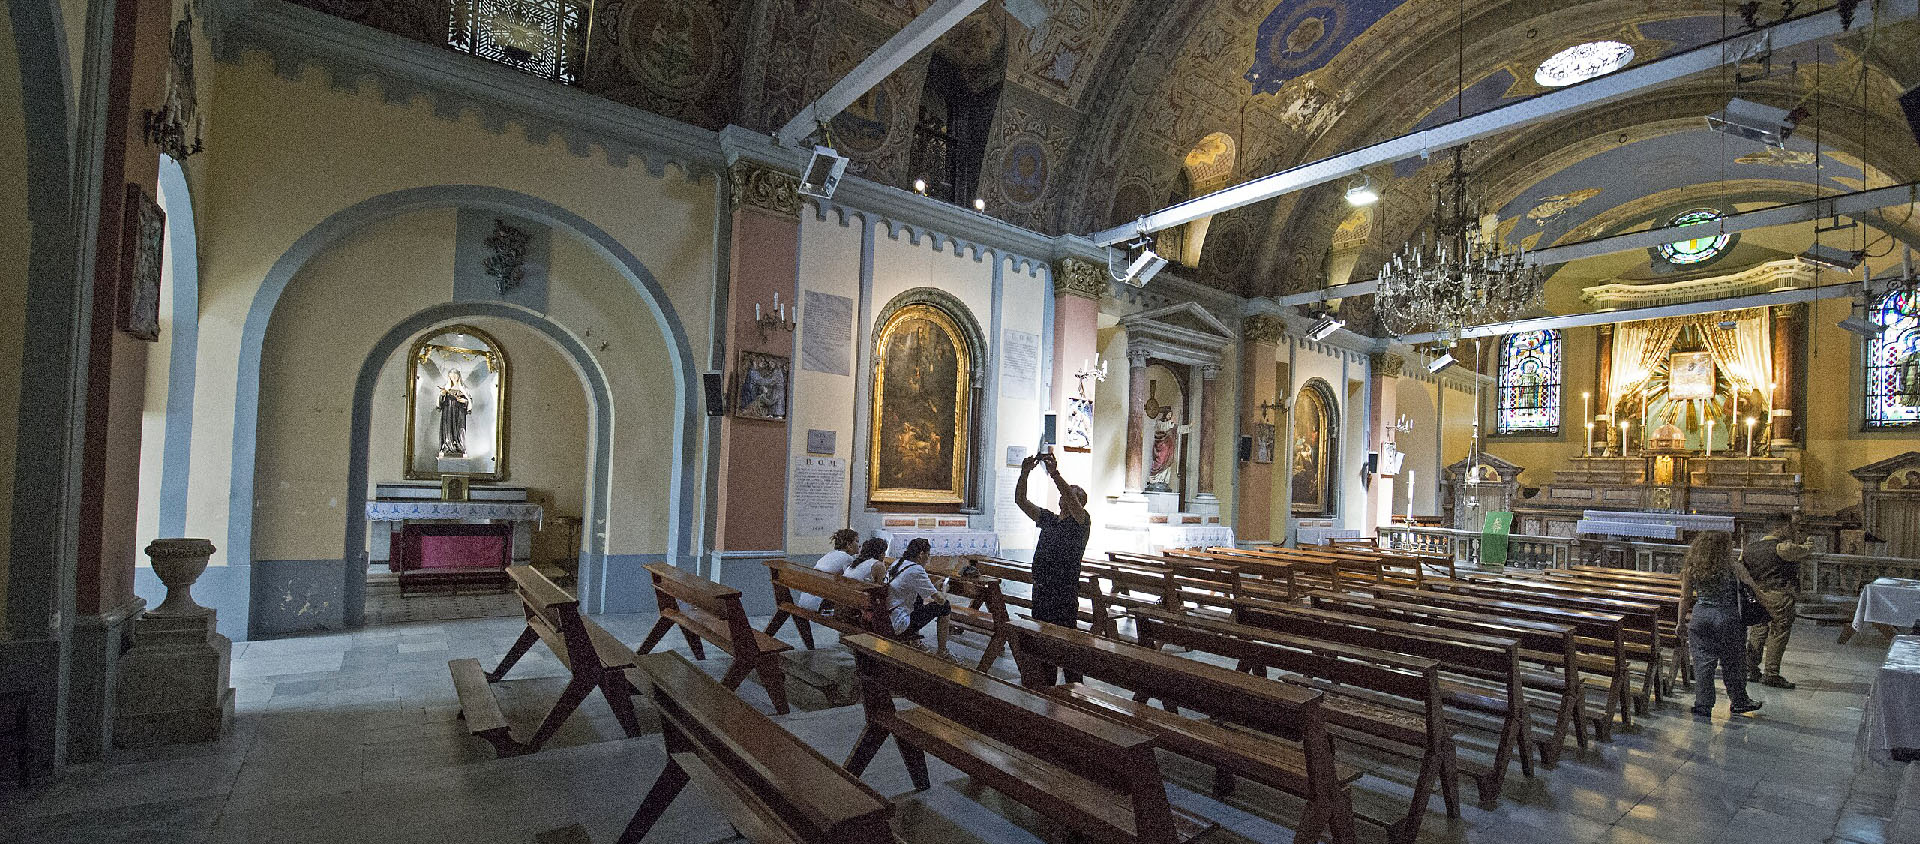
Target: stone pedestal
(173,685)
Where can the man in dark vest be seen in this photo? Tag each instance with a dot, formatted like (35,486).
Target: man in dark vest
(1063,541)
(1774,562)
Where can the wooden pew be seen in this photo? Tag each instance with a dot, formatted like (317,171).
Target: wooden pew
(1090,774)
(1303,765)
(1381,706)
(771,786)
(1100,616)
(860,606)
(1204,578)
(593,657)
(1548,646)
(1476,656)
(1642,629)
(982,607)
(707,611)
(1600,638)
(1673,637)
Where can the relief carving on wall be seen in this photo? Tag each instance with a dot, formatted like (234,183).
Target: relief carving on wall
(755,186)
(1075,277)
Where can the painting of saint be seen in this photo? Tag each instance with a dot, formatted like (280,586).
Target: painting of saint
(1312,457)
(763,386)
(920,410)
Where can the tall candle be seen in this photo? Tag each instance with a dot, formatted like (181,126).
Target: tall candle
(1586,413)
(1589,438)
(1625,442)
(1409,496)
(1709,437)
(1750,421)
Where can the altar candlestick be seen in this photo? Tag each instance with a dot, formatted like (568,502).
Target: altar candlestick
(1409,497)
(1589,438)
(1626,444)
(1586,413)
(1750,421)
(1709,437)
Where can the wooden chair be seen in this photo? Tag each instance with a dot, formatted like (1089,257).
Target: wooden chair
(860,606)
(1088,774)
(706,611)
(593,657)
(1288,750)
(771,786)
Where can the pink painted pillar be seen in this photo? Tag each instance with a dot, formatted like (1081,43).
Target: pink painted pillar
(1077,288)
(1209,386)
(752,485)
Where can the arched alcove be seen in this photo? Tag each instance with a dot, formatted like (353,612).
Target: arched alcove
(166,438)
(928,385)
(1315,450)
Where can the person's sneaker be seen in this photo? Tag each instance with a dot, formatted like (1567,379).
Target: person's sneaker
(1776,681)
(1753,675)
(1749,706)
(1702,711)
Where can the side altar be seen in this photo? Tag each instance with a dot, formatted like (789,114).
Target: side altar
(418,532)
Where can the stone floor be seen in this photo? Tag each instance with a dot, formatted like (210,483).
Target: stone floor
(385,604)
(352,738)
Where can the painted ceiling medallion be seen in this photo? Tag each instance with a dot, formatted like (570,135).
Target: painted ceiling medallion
(1582,62)
(1302,36)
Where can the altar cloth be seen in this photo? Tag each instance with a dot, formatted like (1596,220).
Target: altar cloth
(947,542)
(401,511)
(1890,720)
(1889,600)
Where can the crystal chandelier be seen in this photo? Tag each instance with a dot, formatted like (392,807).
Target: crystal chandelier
(1459,274)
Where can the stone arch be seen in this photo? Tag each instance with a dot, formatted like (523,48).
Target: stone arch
(683,533)
(183,351)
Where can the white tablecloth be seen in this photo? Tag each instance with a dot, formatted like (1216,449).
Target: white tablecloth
(1319,535)
(947,542)
(1889,600)
(1162,537)
(1892,716)
(401,511)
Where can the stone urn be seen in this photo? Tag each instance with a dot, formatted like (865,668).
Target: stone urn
(178,563)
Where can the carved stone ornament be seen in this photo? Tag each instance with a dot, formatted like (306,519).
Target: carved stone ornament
(1263,328)
(755,186)
(1387,365)
(1075,277)
(175,127)
(506,255)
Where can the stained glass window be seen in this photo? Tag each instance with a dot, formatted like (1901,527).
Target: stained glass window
(541,37)
(1527,398)
(1703,248)
(1893,362)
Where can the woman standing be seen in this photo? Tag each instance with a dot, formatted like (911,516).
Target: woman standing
(1710,612)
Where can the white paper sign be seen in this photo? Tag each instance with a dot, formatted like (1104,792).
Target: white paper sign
(1019,364)
(819,496)
(826,341)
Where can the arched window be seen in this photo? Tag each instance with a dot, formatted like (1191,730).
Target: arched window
(1528,397)
(541,37)
(1893,362)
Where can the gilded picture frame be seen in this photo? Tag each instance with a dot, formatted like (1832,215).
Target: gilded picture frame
(1314,452)
(1690,375)
(921,426)
(482,365)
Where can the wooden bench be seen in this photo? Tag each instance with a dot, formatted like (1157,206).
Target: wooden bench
(592,656)
(981,608)
(771,786)
(1100,615)
(1378,706)
(1548,649)
(707,611)
(1302,765)
(860,606)
(1204,581)
(1089,774)
(1644,641)
(1600,639)
(1481,658)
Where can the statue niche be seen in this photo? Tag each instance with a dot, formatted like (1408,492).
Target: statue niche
(456,406)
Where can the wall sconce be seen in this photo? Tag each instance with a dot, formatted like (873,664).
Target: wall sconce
(1267,409)
(780,317)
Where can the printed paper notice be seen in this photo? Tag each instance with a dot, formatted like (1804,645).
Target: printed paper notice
(819,495)
(1019,364)
(826,344)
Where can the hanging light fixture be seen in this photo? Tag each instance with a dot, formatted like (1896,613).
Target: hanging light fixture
(1459,274)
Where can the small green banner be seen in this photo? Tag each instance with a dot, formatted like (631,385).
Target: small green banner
(1493,540)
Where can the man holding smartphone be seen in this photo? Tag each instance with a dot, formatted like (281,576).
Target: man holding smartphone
(1063,541)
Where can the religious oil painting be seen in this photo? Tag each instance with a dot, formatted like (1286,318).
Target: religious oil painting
(1313,450)
(1690,375)
(921,408)
(762,391)
(456,406)
(1263,443)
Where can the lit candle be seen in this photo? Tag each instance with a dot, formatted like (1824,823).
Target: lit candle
(1586,412)
(756,311)
(1750,421)
(1589,438)
(1709,437)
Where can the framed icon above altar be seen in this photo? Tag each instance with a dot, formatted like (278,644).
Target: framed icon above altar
(456,406)
(1690,376)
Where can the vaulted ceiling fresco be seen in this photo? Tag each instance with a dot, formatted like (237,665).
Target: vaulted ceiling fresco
(1099,105)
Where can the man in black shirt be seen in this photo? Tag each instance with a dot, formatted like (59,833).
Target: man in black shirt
(1063,541)
(1774,562)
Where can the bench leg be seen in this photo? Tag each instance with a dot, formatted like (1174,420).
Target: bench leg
(659,797)
(916,761)
(773,678)
(519,649)
(659,630)
(806,631)
(576,691)
(619,695)
(779,620)
(995,645)
(1449,780)
(694,644)
(864,749)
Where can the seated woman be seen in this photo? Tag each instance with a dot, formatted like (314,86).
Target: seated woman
(912,597)
(872,562)
(845,542)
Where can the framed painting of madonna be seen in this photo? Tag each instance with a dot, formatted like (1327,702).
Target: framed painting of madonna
(921,408)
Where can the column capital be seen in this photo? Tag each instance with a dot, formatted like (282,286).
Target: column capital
(1263,328)
(1606,329)
(757,186)
(1074,277)
(1792,311)
(1137,358)
(1210,371)
(1387,364)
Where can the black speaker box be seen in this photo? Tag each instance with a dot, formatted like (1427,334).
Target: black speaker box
(716,394)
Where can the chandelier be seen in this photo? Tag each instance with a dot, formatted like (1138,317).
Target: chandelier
(1459,274)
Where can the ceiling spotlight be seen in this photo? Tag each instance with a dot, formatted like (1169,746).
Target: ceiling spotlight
(920,186)
(1863,327)
(1753,121)
(823,173)
(1144,267)
(1361,193)
(1324,328)
(1441,362)
(979,204)
(1831,257)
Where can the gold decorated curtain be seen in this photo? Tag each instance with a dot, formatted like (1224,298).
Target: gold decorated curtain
(1745,352)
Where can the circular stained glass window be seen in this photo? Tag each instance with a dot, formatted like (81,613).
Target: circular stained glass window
(1582,62)
(1703,248)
